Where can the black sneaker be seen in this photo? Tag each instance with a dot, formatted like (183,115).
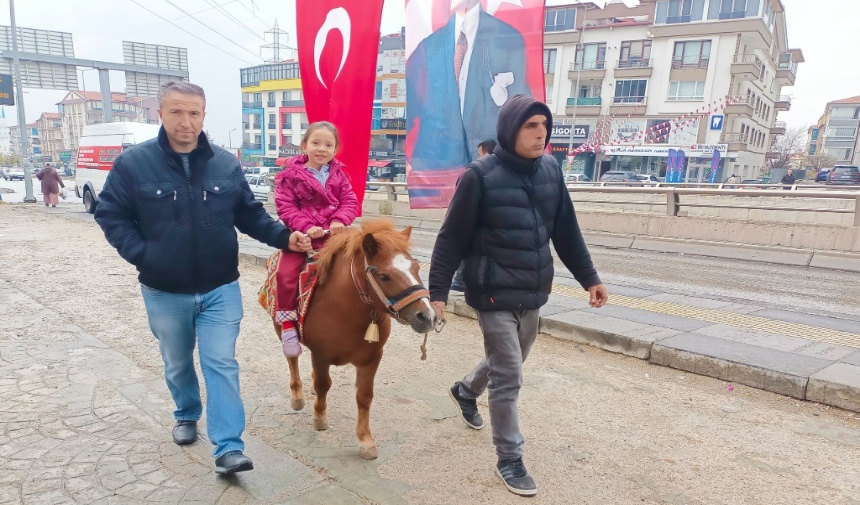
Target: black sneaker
(185,432)
(468,408)
(517,479)
(233,462)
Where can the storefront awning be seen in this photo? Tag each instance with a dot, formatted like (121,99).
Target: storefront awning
(378,164)
(281,162)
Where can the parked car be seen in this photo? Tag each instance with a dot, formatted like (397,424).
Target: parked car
(571,178)
(259,186)
(620,177)
(821,176)
(752,181)
(370,187)
(648,179)
(844,174)
(14,173)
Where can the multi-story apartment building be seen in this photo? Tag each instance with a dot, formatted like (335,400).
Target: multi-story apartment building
(50,126)
(34,142)
(274,117)
(629,69)
(836,133)
(82,108)
(387,158)
(273,112)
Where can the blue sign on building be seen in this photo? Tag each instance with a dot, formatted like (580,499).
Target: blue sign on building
(717,122)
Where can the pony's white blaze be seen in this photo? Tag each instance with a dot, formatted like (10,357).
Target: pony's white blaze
(404,266)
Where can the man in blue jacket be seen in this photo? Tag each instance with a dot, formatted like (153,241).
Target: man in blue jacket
(171,206)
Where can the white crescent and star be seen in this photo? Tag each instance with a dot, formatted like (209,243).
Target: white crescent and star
(336,19)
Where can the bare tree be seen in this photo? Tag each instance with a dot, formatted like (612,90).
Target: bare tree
(789,146)
(820,160)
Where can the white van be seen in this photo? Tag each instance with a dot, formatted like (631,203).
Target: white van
(99,147)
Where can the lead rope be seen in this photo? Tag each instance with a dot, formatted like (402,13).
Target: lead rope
(438,329)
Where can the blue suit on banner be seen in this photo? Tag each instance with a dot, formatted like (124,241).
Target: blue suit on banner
(447,138)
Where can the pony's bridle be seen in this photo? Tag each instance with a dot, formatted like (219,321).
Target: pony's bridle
(393,304)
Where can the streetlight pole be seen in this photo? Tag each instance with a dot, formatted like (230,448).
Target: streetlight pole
(230,137)
(576,87)
(22,123)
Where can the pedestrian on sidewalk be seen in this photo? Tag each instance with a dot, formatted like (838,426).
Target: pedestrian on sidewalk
(788,179)
(484,148)
(171,206)
(51,184)
(312,194)
(506,209)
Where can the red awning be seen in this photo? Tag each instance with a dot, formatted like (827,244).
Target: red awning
(281,162)
(378,164)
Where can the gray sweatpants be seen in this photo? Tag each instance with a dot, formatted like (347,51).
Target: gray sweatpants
(508,338)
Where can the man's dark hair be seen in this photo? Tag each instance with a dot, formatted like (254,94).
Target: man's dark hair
(488,146)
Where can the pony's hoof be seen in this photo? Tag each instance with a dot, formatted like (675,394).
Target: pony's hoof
(368,453)
(297,403)
(320,424)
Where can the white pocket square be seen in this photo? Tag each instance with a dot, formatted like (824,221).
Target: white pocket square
(499,90)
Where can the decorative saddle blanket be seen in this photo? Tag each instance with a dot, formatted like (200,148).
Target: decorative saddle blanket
(268,294)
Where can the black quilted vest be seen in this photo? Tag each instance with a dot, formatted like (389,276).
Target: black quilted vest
(510,266)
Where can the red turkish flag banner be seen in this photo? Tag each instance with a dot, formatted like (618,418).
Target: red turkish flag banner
(338,44)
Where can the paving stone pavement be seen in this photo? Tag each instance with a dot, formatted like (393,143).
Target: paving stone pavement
(85,416)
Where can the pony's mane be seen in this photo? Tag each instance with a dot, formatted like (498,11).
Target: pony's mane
(348,244)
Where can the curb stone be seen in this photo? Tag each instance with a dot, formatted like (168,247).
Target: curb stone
(802,377)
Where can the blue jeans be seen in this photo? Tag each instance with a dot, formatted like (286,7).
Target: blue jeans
(211,320)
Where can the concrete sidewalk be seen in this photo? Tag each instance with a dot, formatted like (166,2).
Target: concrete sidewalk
(809,357)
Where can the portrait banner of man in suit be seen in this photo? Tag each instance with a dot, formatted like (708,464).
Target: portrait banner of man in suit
(465,59)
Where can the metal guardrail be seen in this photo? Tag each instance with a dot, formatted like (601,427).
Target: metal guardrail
(674,192)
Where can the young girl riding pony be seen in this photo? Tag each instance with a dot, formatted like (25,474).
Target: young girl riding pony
(313,195)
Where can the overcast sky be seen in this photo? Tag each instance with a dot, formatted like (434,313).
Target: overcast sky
(99,27)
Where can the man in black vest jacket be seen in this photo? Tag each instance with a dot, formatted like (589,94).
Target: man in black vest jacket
(506,209)
(171,206)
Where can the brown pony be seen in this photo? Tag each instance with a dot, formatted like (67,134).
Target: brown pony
(365,275)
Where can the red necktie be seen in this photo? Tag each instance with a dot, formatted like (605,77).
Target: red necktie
(460,55)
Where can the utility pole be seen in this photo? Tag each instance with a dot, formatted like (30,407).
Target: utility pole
(576,87)
(22,123)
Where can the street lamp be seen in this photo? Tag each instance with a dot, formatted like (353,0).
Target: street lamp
(576,87)
(230,137)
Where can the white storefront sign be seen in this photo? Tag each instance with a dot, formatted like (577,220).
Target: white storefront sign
(692,151)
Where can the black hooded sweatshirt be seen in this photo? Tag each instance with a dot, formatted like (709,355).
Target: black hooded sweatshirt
(503,214)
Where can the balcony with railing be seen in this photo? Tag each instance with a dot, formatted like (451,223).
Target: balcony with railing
(587,70)
(585,105)
(732,14)
(747,66)
(292,103)
(783,102)
(740,105)
(251,146)
(689,63)
(778,128)
(246,125)
(271,103)
(252,105)
(271,126)
(786,70)
(634,68)
(258,126)
(736,141)
(631,105)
